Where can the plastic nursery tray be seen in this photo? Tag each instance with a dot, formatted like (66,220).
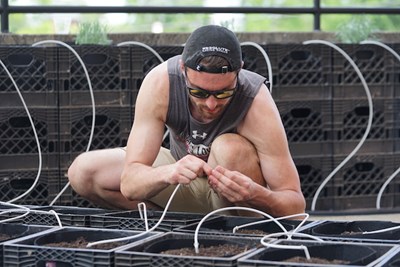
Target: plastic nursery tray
(347,253)
(391,261)
(131,220)
(40,249)
(9,231)
(358,230)
(224,225)
(152,251)
(69,216)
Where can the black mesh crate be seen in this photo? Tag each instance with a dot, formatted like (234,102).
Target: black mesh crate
(15,182)
(9,231)
(16,134)
(323,254)
(112,127)
(358,231)
(312,172)
(131,220)
(44,248)
(374,62)
(40,215)
(308,126)
(239,226)
(396,127)
(361,178)
(108,68)
(301,71)
(254,60)
(351,120)
(392,260)
(34,70)
(151,252)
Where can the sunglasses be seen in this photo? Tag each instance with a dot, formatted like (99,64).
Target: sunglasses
(219,94)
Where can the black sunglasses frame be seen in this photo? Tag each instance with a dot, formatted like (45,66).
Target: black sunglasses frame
(206,93)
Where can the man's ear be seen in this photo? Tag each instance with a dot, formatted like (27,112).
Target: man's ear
(242,64)
(181,65)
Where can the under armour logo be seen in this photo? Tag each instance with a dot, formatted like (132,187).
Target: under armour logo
(202,136)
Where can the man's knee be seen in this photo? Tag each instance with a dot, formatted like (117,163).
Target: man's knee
(79,169)
(231,146)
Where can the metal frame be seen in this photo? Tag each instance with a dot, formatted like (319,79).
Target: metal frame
(316,10)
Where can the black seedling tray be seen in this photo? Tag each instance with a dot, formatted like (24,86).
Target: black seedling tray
(131,220)
(37,250)
(359,254)
(69,216)
(150,252)
(357,230)
(224,225)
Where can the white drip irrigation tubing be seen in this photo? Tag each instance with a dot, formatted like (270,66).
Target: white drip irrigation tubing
(369,124)
(396,55)
(142,233)
(34,133)
(265,55)
(91,97)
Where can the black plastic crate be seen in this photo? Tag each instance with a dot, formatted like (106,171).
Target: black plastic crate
(112,128)
(17,181)
(359,181)
(254,60)
(392,260)
(68,215)
(363,231)
(308,126)
(16,134)
(359,254)
(34,70)
(239,226)
(301,72)
(313,170)
(374,62)
(131,220)
(10,231)
(36,250)
(351,120)
(149,252)
(396,127)
(108,68)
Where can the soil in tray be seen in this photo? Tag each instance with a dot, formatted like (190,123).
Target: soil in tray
(81,242)
(225,250)
(4,237)
(316,261)
(251,232)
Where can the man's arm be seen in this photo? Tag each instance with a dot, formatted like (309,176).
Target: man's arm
(139,180)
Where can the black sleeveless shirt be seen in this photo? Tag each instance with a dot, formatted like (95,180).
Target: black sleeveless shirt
(189,136)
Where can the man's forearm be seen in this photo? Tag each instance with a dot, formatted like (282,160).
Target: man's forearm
(140,182)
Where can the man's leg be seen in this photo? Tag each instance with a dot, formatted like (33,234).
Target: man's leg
(96,176)
(235,153)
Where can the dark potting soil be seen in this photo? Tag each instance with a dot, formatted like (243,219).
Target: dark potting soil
(5,237)
(316,260)
(81,242)
(226,250)
(251,232)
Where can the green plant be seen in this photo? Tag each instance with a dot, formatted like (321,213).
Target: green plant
(355,30)
(92,33)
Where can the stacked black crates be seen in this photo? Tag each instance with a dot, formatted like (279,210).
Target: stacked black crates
(302,90)
(361,178)
(34,71)
(108,69)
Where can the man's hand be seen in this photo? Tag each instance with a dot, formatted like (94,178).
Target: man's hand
(187,169)
(234,186)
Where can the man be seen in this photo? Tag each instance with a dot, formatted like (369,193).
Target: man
(227,143)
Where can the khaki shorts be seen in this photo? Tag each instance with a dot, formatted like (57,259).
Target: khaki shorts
(195,197)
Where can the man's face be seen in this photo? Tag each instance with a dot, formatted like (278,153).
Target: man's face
(209,108)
